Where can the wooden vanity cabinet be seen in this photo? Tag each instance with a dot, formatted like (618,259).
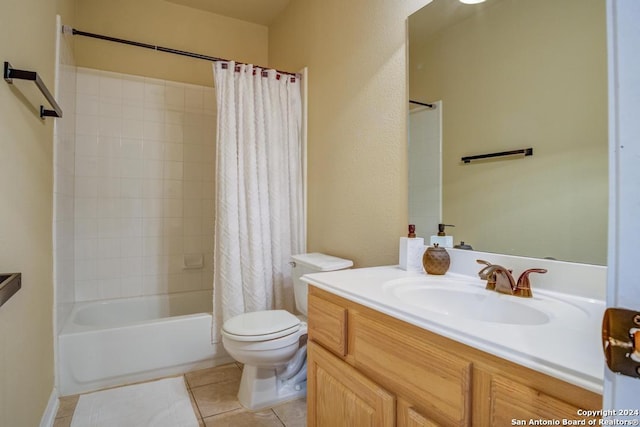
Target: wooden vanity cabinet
(368,368)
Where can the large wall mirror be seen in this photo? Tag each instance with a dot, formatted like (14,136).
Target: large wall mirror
(512,74)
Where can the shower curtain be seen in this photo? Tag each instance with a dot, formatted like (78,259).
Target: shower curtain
(259,201)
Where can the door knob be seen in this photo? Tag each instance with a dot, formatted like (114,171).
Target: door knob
(621,341)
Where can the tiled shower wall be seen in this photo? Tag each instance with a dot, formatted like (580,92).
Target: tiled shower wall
(64,180)
(144,186)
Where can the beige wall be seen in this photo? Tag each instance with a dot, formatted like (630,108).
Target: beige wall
(169,25)
(26,329)
(357,171)
(512,78)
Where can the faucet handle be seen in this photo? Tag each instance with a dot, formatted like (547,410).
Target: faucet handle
(483,273)
(523,288)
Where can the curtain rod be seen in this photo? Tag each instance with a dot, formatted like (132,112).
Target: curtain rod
(432,106)
(75,32)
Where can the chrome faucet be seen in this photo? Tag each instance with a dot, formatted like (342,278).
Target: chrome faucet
(501,280)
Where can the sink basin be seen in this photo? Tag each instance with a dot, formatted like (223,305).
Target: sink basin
(472,304)
(460,299)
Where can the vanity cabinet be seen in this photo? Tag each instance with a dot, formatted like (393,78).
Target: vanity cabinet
(368,368)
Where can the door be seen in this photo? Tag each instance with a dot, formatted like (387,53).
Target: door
(623,33)
(340,396)
(425,169)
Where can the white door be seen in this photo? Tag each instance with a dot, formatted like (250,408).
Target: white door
(425,169)
(623,28)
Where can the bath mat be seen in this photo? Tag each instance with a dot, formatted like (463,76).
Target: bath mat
(158,403)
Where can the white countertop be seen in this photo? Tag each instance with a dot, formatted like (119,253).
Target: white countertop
(567,346)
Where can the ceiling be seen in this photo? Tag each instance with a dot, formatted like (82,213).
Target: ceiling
(261,12)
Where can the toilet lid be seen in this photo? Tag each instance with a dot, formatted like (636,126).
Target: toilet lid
(262,325)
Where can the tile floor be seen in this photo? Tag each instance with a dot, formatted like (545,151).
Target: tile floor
(213,396)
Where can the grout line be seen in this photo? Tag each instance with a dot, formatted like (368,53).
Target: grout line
(279,419)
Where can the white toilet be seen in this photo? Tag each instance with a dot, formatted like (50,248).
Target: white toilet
(272,344)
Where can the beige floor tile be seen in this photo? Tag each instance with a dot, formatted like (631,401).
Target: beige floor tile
(293,414)
(67,406)
(244,418)
(62,422)
(194,405)
(214,399)
(219,374)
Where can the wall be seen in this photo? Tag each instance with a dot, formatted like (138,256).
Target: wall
(27,40)
(64,143)
(144,167)
(165,24)
(523,74)
(356,54)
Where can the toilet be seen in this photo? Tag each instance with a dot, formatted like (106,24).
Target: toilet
(272,343)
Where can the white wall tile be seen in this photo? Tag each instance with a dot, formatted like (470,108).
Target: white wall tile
(87,290)
(86,228)
(108,187)
(87,82)
(152,208)
(193,171)
(173,170)
(88,104)
(109,227)
(131,167)
(133,91)
(143,170)
(86,249)
(87,124)
(108,248)
(193,99)
(131,188)
(131,286)
(172,189)
(132,112)
(110,87)
(174,97)
(132,128)
(152,169)
(131,247)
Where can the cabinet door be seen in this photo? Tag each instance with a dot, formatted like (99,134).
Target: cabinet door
(435,380)
(512,403)
(338,395)
(409,417)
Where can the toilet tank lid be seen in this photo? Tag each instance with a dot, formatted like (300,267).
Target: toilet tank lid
(322,262)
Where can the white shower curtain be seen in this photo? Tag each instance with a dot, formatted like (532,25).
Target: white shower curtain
(259,201)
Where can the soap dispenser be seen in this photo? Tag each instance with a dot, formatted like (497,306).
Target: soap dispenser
(442,239)
(411,250)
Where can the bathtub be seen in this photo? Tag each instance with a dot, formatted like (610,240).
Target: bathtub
(114,342)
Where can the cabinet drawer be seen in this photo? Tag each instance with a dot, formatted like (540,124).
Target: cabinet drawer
(436,382)
(328,324)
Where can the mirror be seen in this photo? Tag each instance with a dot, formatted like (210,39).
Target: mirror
(513,74)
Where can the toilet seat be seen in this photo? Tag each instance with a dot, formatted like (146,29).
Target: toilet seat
(261,325)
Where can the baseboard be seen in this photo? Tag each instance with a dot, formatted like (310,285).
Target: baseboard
(49,415)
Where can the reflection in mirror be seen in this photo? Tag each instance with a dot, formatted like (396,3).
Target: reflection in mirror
(515,74)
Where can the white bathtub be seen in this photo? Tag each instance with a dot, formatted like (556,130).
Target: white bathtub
(115,342)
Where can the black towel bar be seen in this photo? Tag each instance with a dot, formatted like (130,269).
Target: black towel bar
(525,151)
(11,73)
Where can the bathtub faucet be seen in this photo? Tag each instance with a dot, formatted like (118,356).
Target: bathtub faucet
(501,280)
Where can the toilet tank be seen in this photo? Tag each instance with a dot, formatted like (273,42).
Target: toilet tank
(312,263)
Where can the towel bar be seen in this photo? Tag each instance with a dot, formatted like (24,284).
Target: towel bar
(11,73)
